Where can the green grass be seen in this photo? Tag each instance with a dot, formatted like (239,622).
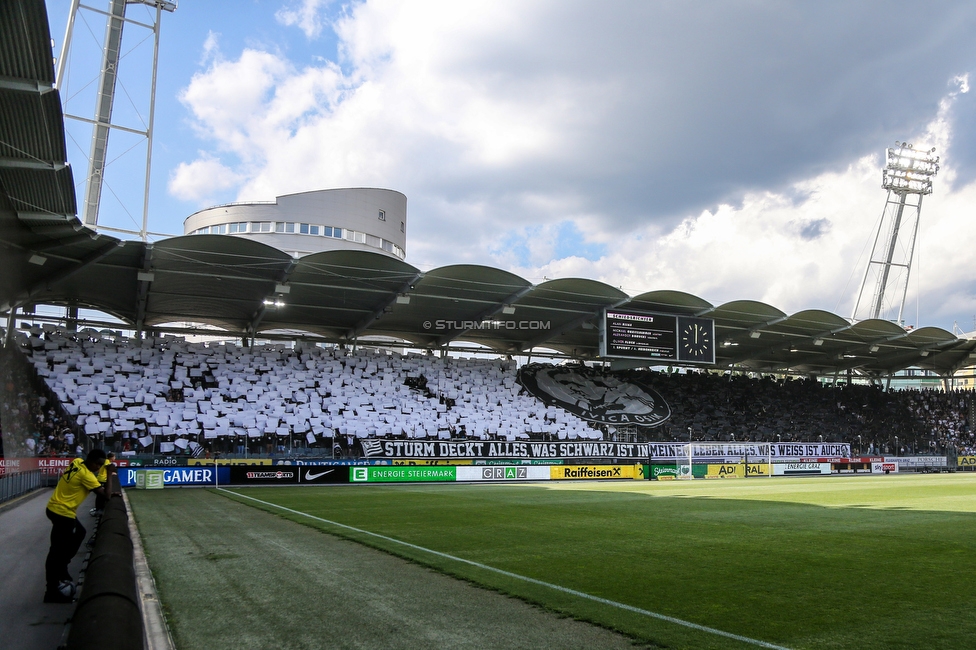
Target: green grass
(860,562)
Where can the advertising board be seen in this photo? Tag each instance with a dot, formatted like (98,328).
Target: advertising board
(725,470)
(576,472)
(918,462)
(503,473)
(178,475)
(49,466)
(266,475)
(402,474)
(322,475)
(800,469)
(884,468)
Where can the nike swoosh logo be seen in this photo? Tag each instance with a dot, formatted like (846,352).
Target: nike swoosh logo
(311,477)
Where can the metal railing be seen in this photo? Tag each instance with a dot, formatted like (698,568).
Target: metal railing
(14,485)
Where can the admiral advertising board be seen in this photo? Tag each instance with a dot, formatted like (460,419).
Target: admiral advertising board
(595,396)
(657,337)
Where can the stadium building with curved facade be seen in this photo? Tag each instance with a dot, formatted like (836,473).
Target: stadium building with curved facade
(368,219)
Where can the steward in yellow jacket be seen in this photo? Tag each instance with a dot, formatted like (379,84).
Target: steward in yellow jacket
(77,480)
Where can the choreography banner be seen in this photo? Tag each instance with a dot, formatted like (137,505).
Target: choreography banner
(594,395)
(373,448)
(732,451)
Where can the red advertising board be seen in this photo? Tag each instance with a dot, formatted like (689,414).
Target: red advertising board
(51,466)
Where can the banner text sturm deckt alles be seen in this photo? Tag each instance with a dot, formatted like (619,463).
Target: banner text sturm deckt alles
(663,451)
(410,449)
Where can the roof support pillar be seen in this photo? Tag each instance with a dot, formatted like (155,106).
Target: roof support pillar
(9,337)
(142,296)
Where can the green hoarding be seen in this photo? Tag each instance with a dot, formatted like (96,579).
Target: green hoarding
(401,474)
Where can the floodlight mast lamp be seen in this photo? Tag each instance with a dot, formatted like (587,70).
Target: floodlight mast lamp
(907,177)
(105,99)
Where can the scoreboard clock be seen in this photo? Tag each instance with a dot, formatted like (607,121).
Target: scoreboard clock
(696,340)
(657,337)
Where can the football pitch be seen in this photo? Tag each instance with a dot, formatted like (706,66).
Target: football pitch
(834,562)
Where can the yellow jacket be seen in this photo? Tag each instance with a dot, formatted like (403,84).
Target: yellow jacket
(72,489)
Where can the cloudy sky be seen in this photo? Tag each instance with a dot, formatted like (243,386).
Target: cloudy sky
(731,149)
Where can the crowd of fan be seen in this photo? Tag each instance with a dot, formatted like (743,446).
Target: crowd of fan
(172,396)
(739,408)
(704,406)
(33,414)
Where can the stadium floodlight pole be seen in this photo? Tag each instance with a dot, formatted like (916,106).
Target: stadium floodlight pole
(907,177)
(101,121)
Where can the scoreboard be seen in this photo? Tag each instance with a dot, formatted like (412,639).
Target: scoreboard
(657,337)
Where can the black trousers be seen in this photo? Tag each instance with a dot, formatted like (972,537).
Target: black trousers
(100,501)
(67,534)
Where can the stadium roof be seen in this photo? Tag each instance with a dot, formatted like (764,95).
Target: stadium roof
(244,287)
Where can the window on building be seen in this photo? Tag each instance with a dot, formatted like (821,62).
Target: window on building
(217,230)
(260,226)
(337,232)
(313,230)
(403,227)
(303,228)
(382,215)
(232,228)
(280,226)
(289,227)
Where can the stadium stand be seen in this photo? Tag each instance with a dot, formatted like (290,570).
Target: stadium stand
(181,394)
(33,412)
(171,396)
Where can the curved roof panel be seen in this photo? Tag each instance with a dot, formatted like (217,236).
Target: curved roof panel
(669,302)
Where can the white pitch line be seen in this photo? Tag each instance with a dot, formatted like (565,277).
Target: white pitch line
(566,590)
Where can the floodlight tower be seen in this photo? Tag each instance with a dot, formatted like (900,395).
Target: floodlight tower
(907,177)
(105,99)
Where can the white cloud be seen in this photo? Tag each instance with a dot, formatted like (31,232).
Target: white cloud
(211,47)
(199,181)
(307,17)
(679,151)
